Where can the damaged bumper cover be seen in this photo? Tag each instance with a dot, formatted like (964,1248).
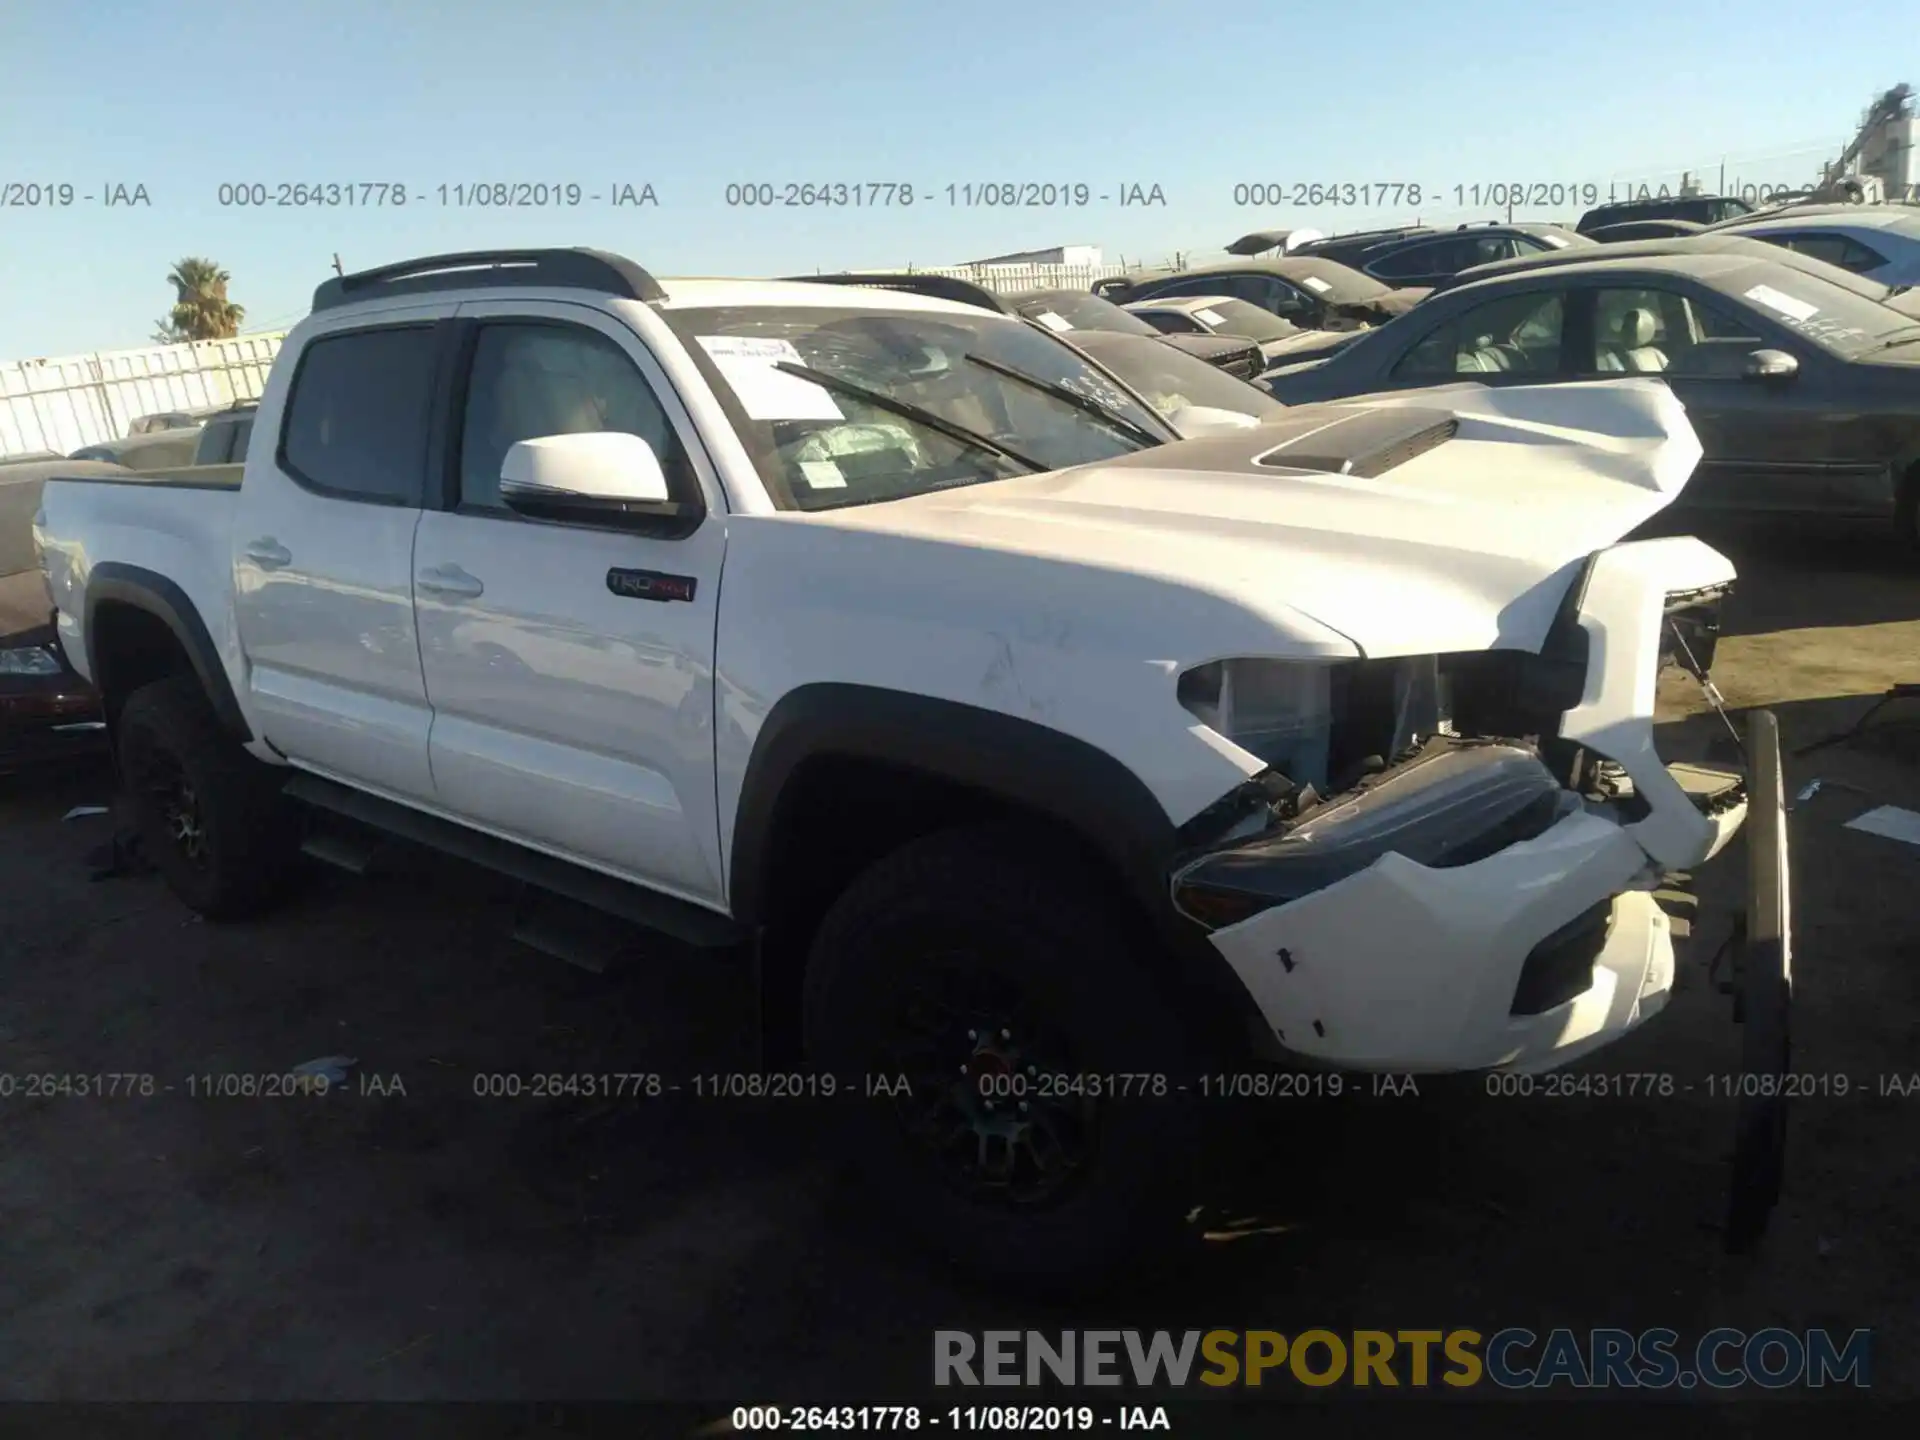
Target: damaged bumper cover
(1467,909)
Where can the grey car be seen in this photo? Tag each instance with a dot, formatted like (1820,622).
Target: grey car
(1881,242)
(1802,382)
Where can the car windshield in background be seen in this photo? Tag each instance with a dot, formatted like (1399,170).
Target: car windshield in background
(1064,310)
(1243,317)
(931,417)
(1171,379)
(1833,318)
(1340,284)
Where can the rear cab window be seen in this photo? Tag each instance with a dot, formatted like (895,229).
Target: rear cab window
(357,414)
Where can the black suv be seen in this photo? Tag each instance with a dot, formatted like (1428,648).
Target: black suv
(1421,255)
(1700,209)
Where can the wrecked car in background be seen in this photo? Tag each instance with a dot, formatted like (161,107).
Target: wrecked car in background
(1280,342)
(1305,290)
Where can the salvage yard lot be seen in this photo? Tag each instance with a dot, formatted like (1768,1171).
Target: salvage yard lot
(435,1244)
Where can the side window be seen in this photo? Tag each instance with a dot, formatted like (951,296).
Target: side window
(530,379)
(1637,331)
(1484,250)
(1516,334)
(1723,338)
(1830,248)
(357,418)
(1413,260)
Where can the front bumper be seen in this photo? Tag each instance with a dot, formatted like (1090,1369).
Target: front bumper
(1403,967)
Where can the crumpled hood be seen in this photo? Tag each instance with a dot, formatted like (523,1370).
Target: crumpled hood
(1464,540)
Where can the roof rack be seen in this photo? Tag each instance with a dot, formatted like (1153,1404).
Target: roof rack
(937,287)
(571,269)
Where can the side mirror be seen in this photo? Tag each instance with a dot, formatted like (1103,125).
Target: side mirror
(1771,365)
(1193,421)
(603,477)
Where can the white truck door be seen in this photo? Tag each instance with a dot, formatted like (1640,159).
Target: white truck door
(570,667)
(323,552)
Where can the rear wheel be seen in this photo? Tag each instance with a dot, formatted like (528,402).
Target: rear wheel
(1030,1122)
(209,816)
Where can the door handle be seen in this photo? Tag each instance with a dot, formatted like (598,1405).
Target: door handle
(269,554)
(451,582)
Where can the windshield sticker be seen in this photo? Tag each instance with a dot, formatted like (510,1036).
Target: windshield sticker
(1776,300)
(1315,283)
(1210,317)
(1053,322)
(766,393)
(823,475)
(1558,242)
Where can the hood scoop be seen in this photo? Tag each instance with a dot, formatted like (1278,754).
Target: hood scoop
(1361,443)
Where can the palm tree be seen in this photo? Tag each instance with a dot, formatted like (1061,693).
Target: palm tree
(201,310)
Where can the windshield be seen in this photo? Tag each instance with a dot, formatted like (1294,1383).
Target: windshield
(819,448)
(1338,284)
(1244,318)
(1836,319)
(1171,379)
(1063,310)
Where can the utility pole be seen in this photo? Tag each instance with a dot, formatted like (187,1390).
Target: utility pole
(336,264)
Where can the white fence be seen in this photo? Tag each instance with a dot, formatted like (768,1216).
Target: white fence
(62,404)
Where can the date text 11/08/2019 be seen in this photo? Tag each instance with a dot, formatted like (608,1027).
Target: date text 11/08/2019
(970,195)
(1523,194)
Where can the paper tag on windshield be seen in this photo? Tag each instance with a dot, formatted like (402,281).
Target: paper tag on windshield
(1785,304)
(1210,317)
(1052,321)
(765,393)
(1315,283)
(823,475)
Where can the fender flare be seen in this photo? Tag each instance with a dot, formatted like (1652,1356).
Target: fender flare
(113,582)
(1013,759)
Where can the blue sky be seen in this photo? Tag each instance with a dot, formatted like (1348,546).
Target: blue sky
(183,97)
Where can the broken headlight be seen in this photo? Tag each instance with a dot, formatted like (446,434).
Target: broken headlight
(1454,802)
(1321,723)
(1278,710)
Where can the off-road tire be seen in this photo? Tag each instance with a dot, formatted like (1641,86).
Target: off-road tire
(248,832)
(1053,925)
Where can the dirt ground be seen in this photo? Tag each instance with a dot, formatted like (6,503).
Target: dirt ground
(434,1244)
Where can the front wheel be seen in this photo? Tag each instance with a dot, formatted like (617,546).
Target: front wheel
(1021,1074)
(209,816)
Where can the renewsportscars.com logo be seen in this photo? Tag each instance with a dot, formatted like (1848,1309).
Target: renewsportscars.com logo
(1512,1359)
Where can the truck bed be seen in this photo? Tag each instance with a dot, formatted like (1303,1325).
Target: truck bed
(174,524)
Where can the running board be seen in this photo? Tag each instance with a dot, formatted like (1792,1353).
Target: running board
(354,854)
(689,924)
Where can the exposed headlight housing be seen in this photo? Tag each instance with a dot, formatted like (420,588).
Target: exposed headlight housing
(1454,802)
(1286,711)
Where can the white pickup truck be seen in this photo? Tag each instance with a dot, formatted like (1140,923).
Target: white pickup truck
(1060,764)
